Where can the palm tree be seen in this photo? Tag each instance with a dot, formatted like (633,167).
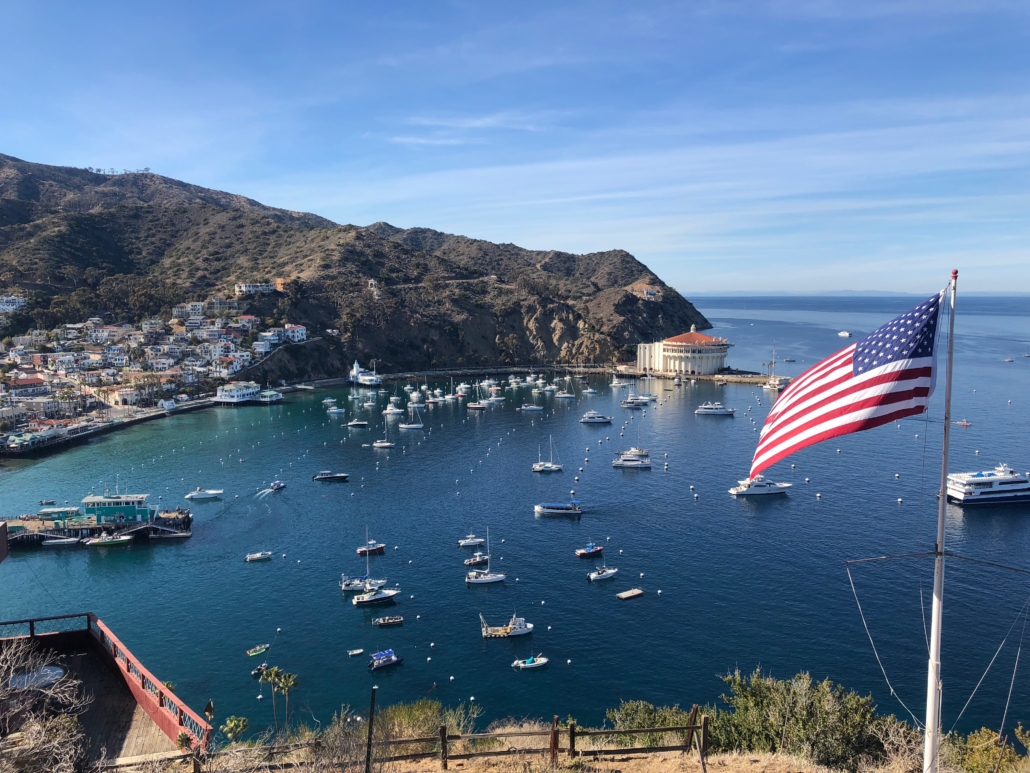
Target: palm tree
(285,683)
(234,727)
(272,676)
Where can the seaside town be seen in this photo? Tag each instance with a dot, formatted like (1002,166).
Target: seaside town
(89,376)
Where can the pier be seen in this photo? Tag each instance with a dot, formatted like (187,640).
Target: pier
(29,530)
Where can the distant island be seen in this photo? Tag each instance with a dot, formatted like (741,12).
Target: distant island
(77,244)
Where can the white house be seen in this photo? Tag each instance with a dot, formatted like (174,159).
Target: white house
(296,333)
(10,303)
(254,288)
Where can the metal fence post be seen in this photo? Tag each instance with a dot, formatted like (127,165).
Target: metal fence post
(443,747)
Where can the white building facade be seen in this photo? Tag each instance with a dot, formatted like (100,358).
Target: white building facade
(687,354)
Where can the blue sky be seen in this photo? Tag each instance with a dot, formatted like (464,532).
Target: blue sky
(782,146)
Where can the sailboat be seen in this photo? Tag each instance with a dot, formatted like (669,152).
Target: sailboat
(484,576)
(910,361)
(550,465)
(385,442)
(416,422)
(364,584)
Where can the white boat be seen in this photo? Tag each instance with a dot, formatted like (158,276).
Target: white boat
(355,584)
(537,661)
(602,572)
(1002,485)
(382,444)
(758,486)
(330,475)
(369,404)
(517,626)
(384,659)
(478,559)
(471,541)
(264,555)
(593,417)
(375,596)
(205,493)
(357,423)
(393,410)
(677,381)
(335,411)
(590,391)
(563,395)
(714,409)
(109,540)
(550,465)
(484,576)
(634,458)
(59,542)
(616,383)
(531,407)
(558,508)
(415,423)
(844,334)
(329,402)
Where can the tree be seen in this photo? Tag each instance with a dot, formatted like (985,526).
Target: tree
(286,683)
(272,676)
(234,727)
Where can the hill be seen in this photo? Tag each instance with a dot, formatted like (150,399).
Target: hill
(81,243)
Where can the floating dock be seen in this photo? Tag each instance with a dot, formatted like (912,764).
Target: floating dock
(632,593)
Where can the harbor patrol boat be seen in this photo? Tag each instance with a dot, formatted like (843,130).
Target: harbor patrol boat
(1002,485)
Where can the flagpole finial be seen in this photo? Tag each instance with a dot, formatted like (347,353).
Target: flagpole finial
(954,274)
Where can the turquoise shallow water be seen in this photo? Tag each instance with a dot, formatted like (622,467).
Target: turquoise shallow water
(743,583)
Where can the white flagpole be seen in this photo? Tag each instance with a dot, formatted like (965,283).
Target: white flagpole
(933,677)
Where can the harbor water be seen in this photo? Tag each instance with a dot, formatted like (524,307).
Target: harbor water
(742,583)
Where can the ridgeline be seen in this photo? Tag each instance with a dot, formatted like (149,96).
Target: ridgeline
(80,243)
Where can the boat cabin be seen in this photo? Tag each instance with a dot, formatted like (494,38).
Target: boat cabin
(119,508)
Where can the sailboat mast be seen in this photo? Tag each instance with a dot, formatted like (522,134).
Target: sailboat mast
(933,677)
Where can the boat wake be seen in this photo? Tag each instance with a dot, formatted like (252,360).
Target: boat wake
(264,493)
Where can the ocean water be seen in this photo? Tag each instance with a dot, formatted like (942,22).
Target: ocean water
(743,583)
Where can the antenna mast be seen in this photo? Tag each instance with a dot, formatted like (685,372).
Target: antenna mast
(933,677)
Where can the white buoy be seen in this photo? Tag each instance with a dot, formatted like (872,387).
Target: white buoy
(418,617)
(542,603)
(899,500)
(659,593)
(568,662)
(838,450)
(548,628)
(452,678)
(818,496)
(896,476)
(695,496)
(806,480)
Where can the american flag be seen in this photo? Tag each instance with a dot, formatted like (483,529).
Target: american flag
(887,375)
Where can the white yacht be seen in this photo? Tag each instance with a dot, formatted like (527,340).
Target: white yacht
(593,417)
(634,459)
(714,409)
(563,395)
(558,508)
(998,486)
(531,407)
(590,391)
(205,493)
(602,572)
(517,626)
(844,334)
(616,383)
(374,595)
(335,410)
(550,465)
(471,541)
(758,485)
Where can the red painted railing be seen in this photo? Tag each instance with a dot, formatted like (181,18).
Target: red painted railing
(162,705)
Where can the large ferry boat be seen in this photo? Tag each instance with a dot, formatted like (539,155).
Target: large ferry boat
(998,486)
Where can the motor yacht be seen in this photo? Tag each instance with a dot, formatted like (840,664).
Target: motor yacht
(558,508)
(634,458)
(205,493)
(375,596)
(758,486)
(714,409)
(593,417)
(357,423)
(330,475)
(602,572)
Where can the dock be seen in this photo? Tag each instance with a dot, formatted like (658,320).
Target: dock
(32,529)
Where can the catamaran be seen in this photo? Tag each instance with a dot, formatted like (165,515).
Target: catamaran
(550,465)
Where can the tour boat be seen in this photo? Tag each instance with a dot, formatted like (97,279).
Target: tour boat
(634,458)
(517,626)
(590,550)
(714,409)
(593,417)
(484,576)
(264,555)
(372,548)
(202,493)
(57,542)
(357,423)
(1000,485)
(531,407)
(550,465)
(258,650)
(478,559)
(602,573)
(330,475)
(558,508)
(277,485)
(531,662)
(757,486)
(108,540)
(385,622)
(384,659)
(375,596)
(471,541)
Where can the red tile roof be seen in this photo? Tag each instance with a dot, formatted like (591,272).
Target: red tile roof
(694,338)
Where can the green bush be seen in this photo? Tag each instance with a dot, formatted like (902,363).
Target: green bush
(636,715)
(819,721)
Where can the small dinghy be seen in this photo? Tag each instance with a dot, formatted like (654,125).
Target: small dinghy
(354,653)
(257,672)
(277,485)
(530,662)
(385,622)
